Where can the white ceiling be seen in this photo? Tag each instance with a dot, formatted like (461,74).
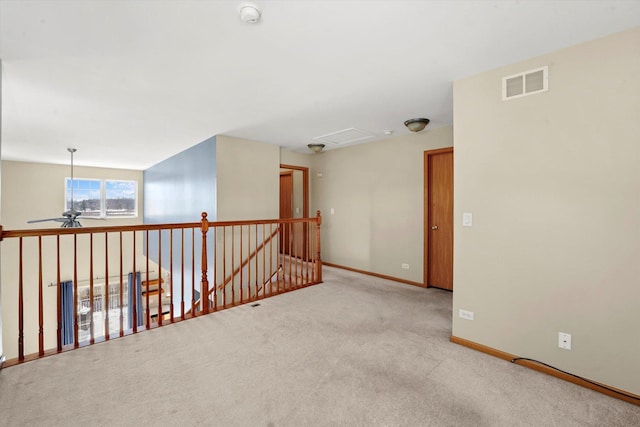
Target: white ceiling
(130,83)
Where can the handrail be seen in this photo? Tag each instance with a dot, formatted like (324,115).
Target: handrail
(185,259)
(144,227)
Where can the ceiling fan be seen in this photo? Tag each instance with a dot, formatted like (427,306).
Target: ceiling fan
(69,218)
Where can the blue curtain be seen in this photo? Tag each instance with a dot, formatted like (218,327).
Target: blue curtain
(67,312)
(138,291)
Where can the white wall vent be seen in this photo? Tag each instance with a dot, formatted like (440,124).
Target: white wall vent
(527,83)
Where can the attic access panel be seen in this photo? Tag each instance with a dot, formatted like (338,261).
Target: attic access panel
(345,136)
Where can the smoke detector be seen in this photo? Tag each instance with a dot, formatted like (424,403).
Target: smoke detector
(249,13)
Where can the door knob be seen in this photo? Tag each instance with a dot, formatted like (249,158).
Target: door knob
(434,227)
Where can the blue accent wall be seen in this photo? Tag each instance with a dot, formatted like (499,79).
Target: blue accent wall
(178,190)
(181,187)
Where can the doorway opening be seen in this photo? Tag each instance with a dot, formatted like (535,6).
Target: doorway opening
(294,203)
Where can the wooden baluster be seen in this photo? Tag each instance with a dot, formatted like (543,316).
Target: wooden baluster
(20,307)
(295,254)
(299,254)
(264,260)
(290,242)
(270,260)
(134,289)
(281,260)
(277,259)
(182,273)
(215,269)
(106,297)
(76,342)
(91,302)
(193,272)
(159,319)
(303,260)
(171,276)
(256,266)
(224,266)
(298,258)
(233,269)
(318,266)
(233,242)
(308,249)
(146,275)
(311,249)
(204,284)
(248,264)
(58,297)
(292,266)
(40,301)
(255,281)
(121,299)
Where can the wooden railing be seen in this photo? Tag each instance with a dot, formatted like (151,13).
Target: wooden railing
(184,260)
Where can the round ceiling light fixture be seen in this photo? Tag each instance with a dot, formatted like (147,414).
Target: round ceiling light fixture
(249,13)
(316,148)
(416,125)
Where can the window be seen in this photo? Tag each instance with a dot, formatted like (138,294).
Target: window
(102,198)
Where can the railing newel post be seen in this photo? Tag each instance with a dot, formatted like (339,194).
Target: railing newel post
(317,255)
(204,284)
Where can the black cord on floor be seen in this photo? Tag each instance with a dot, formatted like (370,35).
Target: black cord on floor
(577,376)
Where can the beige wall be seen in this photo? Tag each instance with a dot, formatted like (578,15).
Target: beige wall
(553,182)
(288,157)
(33,191)
(248,186)
(36,190)
(377,192)
(247,179)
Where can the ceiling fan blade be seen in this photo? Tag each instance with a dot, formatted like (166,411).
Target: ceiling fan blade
(47,219)
(95,218)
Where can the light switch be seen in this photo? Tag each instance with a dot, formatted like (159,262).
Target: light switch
(332,211)
(467,219)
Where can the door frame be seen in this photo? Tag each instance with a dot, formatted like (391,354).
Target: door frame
(305,200)
(426,255)
(305,187)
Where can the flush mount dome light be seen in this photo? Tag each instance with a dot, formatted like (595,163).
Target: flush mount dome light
(316,148)
(249,13)
(416,125)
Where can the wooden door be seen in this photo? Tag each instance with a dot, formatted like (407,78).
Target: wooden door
(438,224)
(286,209)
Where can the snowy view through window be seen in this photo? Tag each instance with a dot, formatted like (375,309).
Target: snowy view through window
(102,198)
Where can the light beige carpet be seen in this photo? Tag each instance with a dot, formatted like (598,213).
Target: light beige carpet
(354,351)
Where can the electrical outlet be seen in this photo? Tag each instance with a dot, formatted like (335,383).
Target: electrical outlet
(405,266)
(564,340)
(465,314)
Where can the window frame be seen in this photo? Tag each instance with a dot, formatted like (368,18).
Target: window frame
(103,196)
